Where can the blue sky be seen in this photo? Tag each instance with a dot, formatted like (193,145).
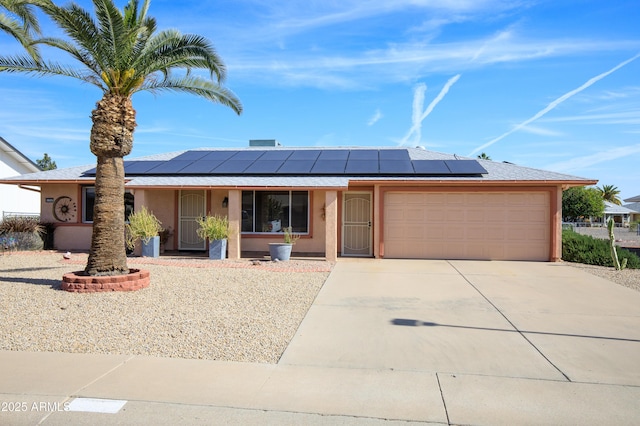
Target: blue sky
(547,84)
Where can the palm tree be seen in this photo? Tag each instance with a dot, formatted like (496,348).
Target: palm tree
(484,156)
(121,53)
(18,19)
(610,193)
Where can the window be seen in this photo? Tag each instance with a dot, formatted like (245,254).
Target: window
(271,211)
(89,200)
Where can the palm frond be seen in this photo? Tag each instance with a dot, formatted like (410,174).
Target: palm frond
(26,65)
(171,49)
(197,86)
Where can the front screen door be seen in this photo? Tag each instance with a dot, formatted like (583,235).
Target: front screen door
(192,207)
(356,224)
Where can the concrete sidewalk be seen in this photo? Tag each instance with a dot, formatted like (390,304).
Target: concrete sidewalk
(386,341)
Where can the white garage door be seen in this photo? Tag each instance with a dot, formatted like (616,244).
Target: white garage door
(498,226)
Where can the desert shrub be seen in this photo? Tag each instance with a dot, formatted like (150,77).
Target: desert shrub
(20,224)
(21,233)
(593,251)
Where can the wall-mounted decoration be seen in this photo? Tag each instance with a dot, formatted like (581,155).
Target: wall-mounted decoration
(64,209)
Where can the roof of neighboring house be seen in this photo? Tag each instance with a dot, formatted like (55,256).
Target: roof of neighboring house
(611,208)
(633,206)
(635,199)
(27,165)
(178,169)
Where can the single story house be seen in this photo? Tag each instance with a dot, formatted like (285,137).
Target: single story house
(17,200)
(621,215)
(369,202)
(633,203)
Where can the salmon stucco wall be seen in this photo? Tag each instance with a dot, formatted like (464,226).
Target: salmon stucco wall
(72,234)
(161,204)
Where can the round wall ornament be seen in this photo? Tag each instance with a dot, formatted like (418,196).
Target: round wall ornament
(64,209)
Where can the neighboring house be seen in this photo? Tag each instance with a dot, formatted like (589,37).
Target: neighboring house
(383,203)
(621,215)
(16,199)
(633,203)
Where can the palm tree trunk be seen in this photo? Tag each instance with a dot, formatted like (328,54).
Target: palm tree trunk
(108,255)
(111,139)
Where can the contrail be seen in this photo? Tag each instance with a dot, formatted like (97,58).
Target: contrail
(418,101)
(555,103)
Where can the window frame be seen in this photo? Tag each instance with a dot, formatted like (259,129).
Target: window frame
(254,220)
(131,203)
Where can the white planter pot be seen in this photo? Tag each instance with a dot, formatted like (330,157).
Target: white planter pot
(280,251)
(218,249)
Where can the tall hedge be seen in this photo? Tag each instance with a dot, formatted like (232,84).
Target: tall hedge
(580,248)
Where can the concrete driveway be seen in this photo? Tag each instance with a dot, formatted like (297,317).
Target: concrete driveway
(385,342)
(490,342)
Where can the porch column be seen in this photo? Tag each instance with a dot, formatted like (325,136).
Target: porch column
(377,224)
(138,199)
(235,219)
(556,224)
(331,226)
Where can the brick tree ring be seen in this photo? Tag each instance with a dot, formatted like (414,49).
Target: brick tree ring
(80,282)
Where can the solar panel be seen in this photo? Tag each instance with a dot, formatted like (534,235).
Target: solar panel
(392,167)
(361,167)
(363,154)
(191,155)
(394,155)
(334,154)
(247,155)
(430,167)
(232,167)
(465,167)
(169,167)
(200,167)
(305,154)
(302,167)
(138,167)
(276,155)
(324,167)
(264,167)
(218,155)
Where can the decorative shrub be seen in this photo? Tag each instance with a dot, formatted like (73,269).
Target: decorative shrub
(213,227)
(21,233)
(143,225)
(593,251)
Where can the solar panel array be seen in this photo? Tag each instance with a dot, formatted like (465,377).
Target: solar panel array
(307,162)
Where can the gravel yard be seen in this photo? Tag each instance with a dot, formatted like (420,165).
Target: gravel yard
(195,308)
(233,311)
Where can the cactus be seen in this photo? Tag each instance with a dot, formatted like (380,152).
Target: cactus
(612,245)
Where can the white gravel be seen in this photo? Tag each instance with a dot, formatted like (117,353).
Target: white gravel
(234,311)
(194,308)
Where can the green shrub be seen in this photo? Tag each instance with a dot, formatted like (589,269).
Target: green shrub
(143,225)
(213,227)
(593,251)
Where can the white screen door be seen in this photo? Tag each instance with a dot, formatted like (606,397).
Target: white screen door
(356,224)
(192,207)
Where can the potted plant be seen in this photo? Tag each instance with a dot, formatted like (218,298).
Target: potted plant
(144,226)
(282,251)
(216,229)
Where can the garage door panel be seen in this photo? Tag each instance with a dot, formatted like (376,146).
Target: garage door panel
(474,225)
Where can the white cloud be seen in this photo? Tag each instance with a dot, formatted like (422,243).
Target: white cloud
(375,118)
(555,103)
(536,130)
(414,135)
(599,157)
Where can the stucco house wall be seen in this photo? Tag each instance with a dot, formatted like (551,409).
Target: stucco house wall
(14,198)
